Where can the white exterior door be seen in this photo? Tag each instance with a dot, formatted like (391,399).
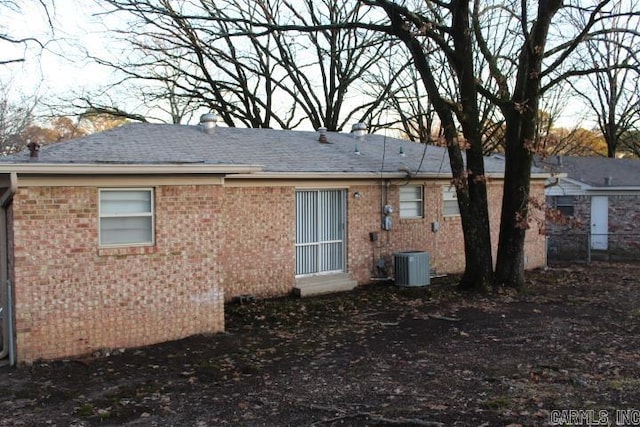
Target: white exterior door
(599,222)
(320,223)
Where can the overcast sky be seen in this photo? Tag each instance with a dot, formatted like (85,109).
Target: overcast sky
(61,69)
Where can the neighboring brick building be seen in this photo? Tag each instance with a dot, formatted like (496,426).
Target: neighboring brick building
(601,197)
(138,235)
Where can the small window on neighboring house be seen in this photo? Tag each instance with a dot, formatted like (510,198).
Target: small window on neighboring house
(564,204)
(450,201)
(411,205)
(126,217)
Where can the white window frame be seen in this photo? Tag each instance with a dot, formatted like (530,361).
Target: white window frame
(449,200)
(409,202)
(146,214)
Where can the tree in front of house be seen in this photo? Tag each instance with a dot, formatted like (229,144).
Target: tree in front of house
(509,54)
(478,63)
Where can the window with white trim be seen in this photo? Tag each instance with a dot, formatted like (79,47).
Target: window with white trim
(126,217)
(411,202)
(450,201)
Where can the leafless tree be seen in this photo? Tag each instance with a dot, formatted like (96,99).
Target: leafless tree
(213,56)
(8,40)
(525,50)
(406,111)
(572,139)
(480,63)
(631,142)
(612,94)
(154,102)
(15,117)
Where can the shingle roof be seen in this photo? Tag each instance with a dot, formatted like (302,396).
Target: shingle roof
(593,170)
(278,151)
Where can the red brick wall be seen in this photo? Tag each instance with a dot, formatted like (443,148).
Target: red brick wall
(535,245)
(572,241)
(445,247)
(73,298)
(259,252)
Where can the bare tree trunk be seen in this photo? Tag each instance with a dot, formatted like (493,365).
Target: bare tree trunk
(468,178)
(513,226)
(520,117)
(478,273)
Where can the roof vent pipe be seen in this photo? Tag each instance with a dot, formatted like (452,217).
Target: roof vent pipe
(323,135)
(359,130)
(208,122)
(34,150)
(607,180)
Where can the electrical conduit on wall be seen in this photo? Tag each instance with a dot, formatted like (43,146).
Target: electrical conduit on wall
(5,285)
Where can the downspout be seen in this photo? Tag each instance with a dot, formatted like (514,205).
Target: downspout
(5,286)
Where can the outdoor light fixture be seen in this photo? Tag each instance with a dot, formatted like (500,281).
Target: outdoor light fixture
(356,150)
(401,152)
(357,194)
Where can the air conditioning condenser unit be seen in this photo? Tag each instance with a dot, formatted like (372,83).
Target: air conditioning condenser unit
(412,268)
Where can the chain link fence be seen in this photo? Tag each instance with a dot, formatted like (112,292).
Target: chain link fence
(586,247)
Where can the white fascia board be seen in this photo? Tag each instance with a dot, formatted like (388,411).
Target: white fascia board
(124,169)
(359,175)
(581,184)
(319,175)
(546,175)
(586,189)
(566,187)
(363,175)
(613,191)
(550,175)
(341,175)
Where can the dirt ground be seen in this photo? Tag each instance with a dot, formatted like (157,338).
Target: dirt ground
(378,356)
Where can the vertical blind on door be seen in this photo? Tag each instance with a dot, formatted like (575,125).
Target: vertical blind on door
(319,231)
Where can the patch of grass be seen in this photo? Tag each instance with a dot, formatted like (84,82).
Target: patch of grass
(89,410)
(85,410)
(616,384)
(623,383)
(497,403)
(635,313)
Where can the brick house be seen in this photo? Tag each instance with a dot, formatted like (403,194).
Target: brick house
(602,196)
(139,235)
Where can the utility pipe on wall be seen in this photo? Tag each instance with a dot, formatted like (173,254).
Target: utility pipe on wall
(6,292)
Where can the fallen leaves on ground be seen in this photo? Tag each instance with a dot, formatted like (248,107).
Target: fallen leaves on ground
(380,355)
